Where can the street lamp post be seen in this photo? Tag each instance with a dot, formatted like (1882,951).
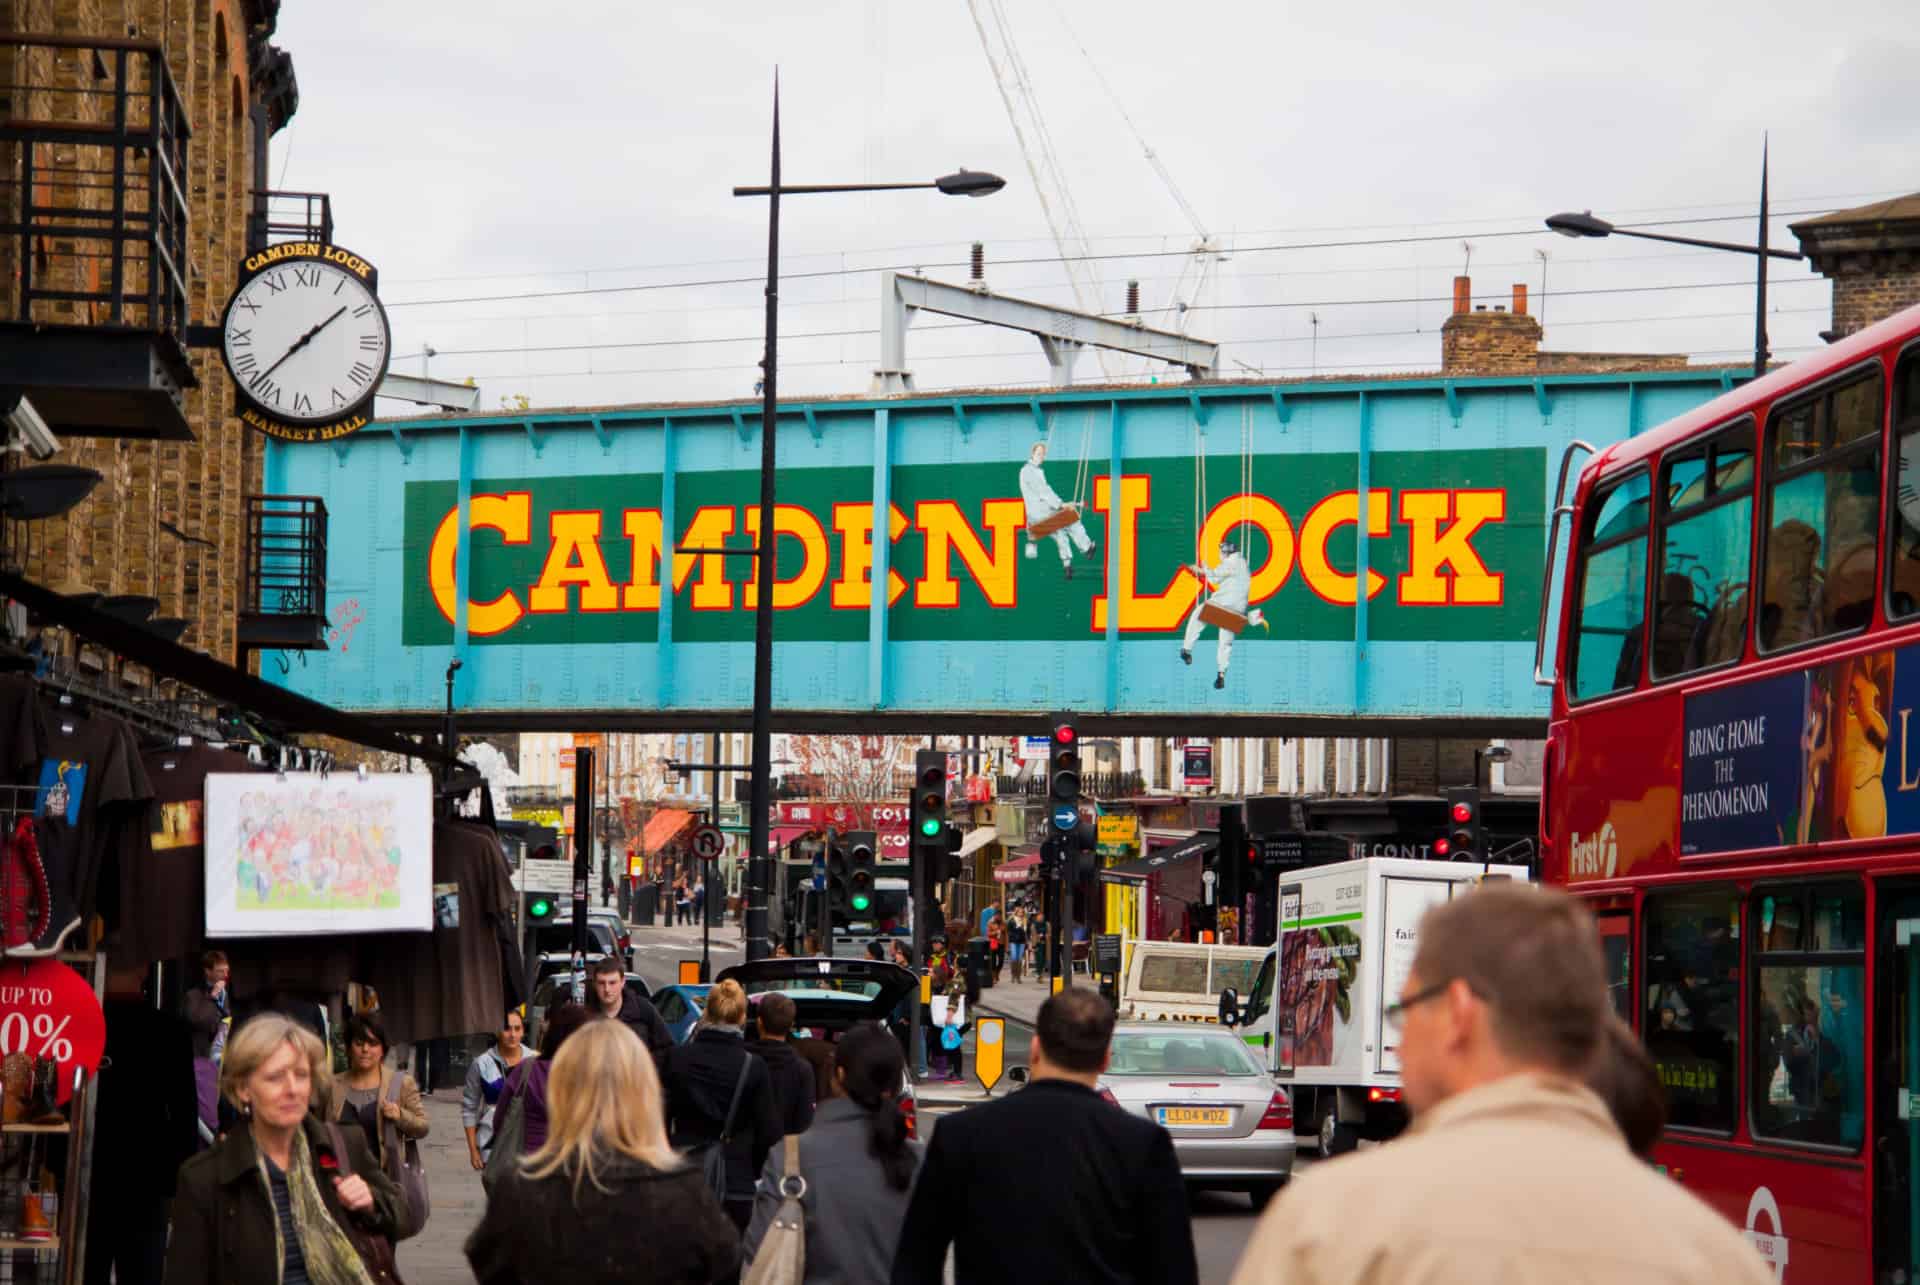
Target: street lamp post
(961,183)
(1585,225)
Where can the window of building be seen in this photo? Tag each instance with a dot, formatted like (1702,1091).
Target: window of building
(1809,1075)
(1691,984)
(1823,514)
(1706,539)
(1612,605)
(1903,549)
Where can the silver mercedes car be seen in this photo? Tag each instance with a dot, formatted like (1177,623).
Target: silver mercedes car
(1232,1126)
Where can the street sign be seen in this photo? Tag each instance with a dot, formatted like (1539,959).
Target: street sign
(1197,760)
(707,842)
(989,1050)
(546,876)
(1033,749)
(819,874)
(1294,851)
(1065,817)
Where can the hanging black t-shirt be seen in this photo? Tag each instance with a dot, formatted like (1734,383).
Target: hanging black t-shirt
(447,982)
(20,725)
(163,866)
(88,770)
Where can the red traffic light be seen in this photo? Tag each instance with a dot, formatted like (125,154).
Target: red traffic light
(1441,847)
(1462,813)
(1253,854)
(1064,734)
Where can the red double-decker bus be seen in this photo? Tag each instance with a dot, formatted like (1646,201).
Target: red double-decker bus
(1733,781)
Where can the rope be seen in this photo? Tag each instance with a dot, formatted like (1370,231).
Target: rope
(1246,474)
(1083,479)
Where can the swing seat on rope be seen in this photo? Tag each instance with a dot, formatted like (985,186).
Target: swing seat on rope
(1224,617)
(1059,520)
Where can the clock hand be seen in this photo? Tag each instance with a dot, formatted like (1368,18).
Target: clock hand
(303,341)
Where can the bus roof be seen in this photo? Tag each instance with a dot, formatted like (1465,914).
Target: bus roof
(1775,384)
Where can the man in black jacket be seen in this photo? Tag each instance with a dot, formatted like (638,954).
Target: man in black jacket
(642,1018)
(1051,1183)
(793,1076)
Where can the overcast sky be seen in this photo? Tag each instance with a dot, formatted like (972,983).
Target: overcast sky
(480,151)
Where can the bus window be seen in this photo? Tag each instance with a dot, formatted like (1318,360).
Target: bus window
(1903,551)
(1691,983)
(1612,607)
(1809,1075)
(1616,945)
(1823,514)
(1700,610)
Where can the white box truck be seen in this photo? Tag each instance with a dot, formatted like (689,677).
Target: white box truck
(1346,939)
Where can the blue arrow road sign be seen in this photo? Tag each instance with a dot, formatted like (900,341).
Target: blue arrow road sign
(819,874)
(1065,818)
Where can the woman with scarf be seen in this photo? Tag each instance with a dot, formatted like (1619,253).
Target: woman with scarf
(286,1197)
(486,1078)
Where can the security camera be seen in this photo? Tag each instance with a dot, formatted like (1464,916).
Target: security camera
(24,423)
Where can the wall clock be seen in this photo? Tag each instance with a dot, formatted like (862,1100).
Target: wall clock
(306,341)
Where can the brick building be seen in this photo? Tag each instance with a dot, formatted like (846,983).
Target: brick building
(127,180)
(1872,255)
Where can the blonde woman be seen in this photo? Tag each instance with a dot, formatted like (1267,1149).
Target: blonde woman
(605,1199)
(273,1200)
(720,1094)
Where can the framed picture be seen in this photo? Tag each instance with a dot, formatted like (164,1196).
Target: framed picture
(310,854)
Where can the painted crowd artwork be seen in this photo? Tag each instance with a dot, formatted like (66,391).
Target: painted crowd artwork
(1814,756)
(306,853)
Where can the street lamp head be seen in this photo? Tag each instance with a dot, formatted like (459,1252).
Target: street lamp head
(1578,225)
(1497,754)
(970,183)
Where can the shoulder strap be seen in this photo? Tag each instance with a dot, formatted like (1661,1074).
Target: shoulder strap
(340,1150)
(390,1086)
(793,1155)
(739,1087)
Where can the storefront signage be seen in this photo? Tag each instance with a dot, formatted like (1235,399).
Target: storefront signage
(1829,753)
(1197,762)
(1284,852)
(47,1010)
(1118,835)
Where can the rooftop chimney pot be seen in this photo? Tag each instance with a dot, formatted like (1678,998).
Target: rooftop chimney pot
(1519,298)
(1462,295)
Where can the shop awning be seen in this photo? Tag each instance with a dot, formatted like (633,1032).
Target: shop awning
(976,839)
(663,827)
(1017,870)
(1141,868)
(781,835)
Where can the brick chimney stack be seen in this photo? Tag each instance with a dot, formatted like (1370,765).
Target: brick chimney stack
(1872,256)
(1483,342)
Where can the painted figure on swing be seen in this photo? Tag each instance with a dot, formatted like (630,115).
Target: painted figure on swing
(1048,514)
(1223,604)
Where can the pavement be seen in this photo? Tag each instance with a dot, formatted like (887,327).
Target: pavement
(437,1255)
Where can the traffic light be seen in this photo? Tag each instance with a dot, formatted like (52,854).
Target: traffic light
(1237,868)
(540,907)
(950,867)
(929,804)
(1464,835)
(1063,783)
(1084,840)
(861,846)
(838,874)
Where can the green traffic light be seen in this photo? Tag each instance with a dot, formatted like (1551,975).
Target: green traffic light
(930,826)
(861,901)
(540,909)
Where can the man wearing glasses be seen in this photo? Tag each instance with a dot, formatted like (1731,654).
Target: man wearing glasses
(1502,1018)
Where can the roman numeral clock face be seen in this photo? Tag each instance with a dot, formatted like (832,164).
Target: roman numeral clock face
(306,342)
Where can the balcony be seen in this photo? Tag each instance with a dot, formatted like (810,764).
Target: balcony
(1094,785)
(279,217)
(283,603)
(93,235)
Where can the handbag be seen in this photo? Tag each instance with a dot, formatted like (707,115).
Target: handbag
(782,1259)
(713,1155)
(509,1139)
(403,1166)
(375,1250)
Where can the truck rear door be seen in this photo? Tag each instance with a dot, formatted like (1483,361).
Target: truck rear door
(1403,901)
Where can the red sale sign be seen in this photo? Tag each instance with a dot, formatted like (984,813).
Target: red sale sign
(48,1010)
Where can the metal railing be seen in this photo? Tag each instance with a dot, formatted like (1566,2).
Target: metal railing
(286,556)
(93,175)
(279,217)
(1099,785)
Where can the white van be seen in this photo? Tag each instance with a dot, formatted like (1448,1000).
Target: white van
(1181,981)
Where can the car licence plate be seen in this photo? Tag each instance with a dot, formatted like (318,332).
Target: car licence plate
(1194,1117)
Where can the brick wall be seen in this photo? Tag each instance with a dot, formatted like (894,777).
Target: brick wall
(1872,256)
(113,541)
(1866,292)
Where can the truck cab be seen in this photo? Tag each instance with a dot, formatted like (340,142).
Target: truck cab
(1180,981)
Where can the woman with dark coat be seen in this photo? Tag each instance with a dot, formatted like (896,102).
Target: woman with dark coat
(858,1165)
(274,1200)
(702,1077)
(605,1200)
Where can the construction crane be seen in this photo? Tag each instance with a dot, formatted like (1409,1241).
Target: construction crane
(1043,159)
(1049,177)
